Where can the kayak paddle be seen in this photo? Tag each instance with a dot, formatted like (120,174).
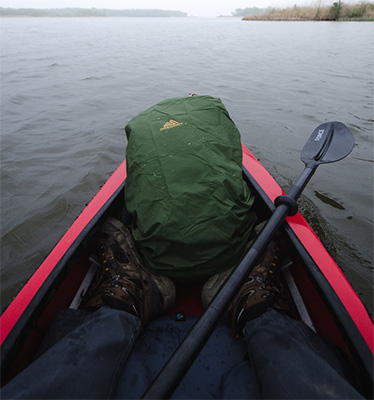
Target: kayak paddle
(329,142)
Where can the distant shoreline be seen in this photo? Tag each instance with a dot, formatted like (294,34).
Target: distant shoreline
(88,13)
(337,12)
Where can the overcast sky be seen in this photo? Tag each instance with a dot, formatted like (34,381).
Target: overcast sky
(198,8)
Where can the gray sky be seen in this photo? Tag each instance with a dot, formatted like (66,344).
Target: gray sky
(199,8)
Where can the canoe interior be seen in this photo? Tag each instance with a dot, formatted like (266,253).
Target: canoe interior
(62,287)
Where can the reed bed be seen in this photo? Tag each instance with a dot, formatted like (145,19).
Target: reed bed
(337,12)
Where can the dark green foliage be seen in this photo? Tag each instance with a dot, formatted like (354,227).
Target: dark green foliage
(357,12)
(335,11)
(242,12)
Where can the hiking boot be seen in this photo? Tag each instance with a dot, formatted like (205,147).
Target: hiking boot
(214,283)
(261,290)
(121,282)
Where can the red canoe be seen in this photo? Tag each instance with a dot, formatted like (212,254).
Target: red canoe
(325,299)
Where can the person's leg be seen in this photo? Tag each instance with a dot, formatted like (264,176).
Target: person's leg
(85,363)
(292,362)
(290,359)
(83,360)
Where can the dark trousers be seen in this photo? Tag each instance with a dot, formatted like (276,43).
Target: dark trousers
(100,354)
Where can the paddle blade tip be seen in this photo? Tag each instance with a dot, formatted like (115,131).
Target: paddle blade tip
(329,142)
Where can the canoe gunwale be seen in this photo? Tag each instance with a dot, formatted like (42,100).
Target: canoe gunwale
(343,320)
(351,333)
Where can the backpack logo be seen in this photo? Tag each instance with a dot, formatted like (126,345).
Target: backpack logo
(171,124)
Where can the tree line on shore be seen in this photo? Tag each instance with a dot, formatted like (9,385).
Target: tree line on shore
(87,12)
(242,12)
(337,12)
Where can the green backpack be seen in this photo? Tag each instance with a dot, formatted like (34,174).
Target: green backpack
(190,205)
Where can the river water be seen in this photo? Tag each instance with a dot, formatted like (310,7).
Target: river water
(69,86)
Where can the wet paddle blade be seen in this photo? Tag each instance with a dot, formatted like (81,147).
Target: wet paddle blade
(328,143)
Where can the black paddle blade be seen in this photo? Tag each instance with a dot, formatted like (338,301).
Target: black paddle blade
(329,142)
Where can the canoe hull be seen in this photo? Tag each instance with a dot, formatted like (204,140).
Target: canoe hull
(326,300)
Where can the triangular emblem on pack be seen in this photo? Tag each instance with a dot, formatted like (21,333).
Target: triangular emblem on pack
(171,124)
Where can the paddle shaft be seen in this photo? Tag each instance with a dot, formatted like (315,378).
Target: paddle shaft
(177,366)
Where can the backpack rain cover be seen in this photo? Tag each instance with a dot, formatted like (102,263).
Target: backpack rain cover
(191,208)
